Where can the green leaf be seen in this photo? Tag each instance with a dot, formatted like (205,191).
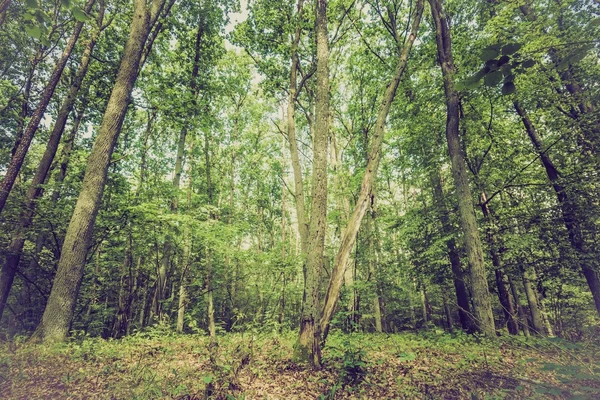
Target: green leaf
(503,60)
(488,54)
(493,78)
(33,31)
(79,14)
(528,63)
(66,3)
(207,379)
(32,3)
(511,48)
(508,88)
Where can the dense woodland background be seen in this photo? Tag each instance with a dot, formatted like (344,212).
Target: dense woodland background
(205,166)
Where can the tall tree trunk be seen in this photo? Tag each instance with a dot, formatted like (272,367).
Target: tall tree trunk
(373,270)
(533,301)
(4,4)
(18,157)
(365,197)
(462,295)
(503,294)
(481,293)
(521,313)
(308,346)
(291,136)
(567,207)
(58,314)
(186,265)
(35,190)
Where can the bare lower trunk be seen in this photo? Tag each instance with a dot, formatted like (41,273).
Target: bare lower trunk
(533,301)
(480,290)
(366,196)
(308,346)
(58,314)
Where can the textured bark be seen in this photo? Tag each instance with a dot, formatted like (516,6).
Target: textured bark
(291,134)
(481,294)
(35,190)
(521,313)
(308,346)
(58,314)
(462,295)
(373,270)
(570,218)
(4,4)
(503,294)
(365,196)
(532,300)
(16,162)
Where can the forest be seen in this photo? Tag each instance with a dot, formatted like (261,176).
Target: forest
(302,199)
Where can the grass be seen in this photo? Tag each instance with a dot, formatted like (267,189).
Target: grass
(159,364)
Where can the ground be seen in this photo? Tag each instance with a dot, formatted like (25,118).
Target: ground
(159,364)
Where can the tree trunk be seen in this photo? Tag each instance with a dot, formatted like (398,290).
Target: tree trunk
(532,300)
(4,4)
(308,346)
(58,314)
(18,157)
(291,135)
(521,313)
(503,294)
(570,218)
(481,293)
(365,197)
(35,190)
(462,295)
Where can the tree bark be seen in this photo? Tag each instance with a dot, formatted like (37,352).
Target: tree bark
(481,293)
(291,134)
(308,346)
(462,295)
(503,294)
(567,207)
(365,197)
(4,4)
(58,315)
(18,157)
(35,190)
(521,313)
(532,300)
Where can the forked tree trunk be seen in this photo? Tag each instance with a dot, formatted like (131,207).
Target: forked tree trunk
(16,162)
(480,290)
(308,346)
(365,197)
(36,190)
(58,315)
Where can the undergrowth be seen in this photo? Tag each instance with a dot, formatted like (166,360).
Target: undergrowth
(158,363)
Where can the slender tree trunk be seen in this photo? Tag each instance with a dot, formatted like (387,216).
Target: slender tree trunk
(35,189)
(481,293)
(308,346)
(291,135)
(462,295)
(18,157)
(570,218)
(58,314)
(532,300)
(4,4)
(447,311)
(503,294)
(521,313)
(373,271)
(186,252)
(366,195)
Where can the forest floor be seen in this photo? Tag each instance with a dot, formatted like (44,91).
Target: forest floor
(430,365)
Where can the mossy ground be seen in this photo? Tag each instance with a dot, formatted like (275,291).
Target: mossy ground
(159,364)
